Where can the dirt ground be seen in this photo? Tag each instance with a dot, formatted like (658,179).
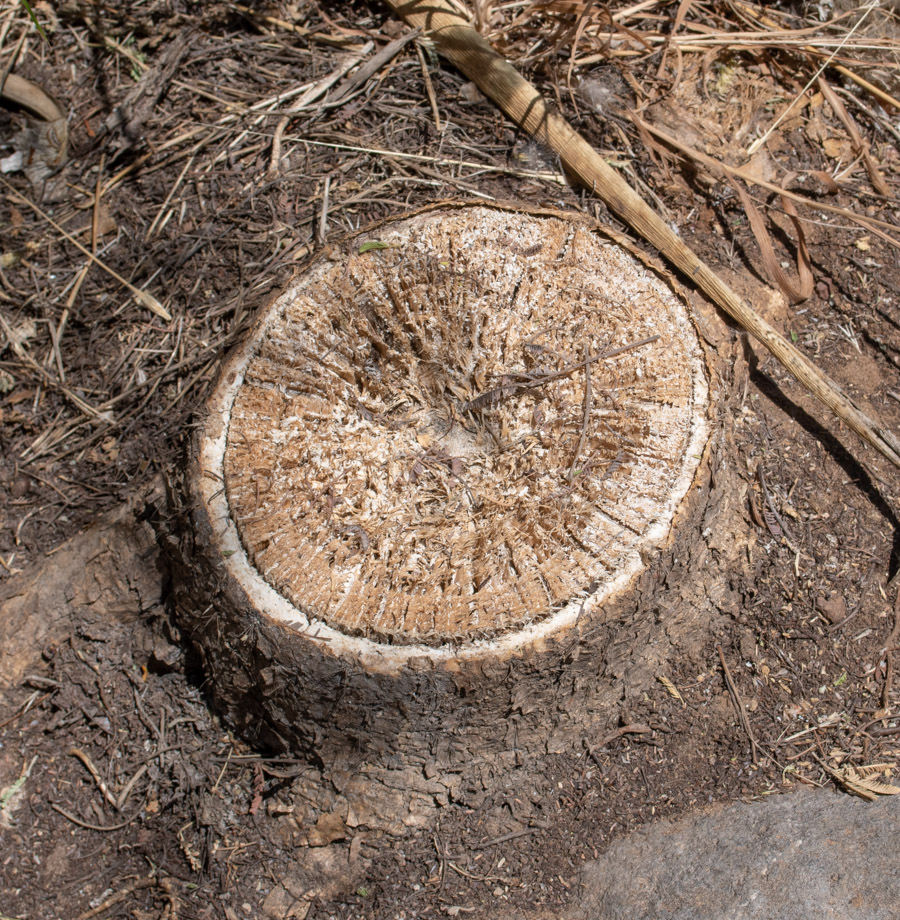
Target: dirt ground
(190,177)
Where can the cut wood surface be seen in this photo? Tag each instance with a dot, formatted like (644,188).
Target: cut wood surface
(417,451)
(461,44)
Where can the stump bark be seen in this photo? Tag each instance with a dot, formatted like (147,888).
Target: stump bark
(450,504)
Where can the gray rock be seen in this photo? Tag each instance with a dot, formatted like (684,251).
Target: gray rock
(803,856)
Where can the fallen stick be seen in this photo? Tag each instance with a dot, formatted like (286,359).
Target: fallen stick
(738,705)
(457,41)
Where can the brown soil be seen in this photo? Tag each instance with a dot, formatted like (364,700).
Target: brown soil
(211,828)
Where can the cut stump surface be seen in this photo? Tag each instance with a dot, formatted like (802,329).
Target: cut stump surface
(433,480)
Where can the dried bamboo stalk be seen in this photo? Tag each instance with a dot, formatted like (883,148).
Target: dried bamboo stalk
(456,40)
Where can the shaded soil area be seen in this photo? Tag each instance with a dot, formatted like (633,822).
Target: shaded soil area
(122,795)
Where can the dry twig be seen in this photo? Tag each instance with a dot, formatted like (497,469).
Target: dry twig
(738,705)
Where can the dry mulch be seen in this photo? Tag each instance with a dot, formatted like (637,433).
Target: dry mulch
(202,194)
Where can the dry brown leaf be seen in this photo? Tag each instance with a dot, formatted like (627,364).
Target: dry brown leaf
(860,781)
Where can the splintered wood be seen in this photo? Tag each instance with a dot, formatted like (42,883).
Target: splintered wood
(459,427)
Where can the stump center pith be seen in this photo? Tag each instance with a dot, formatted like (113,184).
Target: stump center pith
(458,428)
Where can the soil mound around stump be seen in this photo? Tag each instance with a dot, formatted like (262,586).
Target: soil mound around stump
(422,514)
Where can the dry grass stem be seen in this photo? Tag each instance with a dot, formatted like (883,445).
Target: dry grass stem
(214,201)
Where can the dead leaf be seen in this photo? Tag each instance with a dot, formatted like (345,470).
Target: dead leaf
(836,148)
(861,780)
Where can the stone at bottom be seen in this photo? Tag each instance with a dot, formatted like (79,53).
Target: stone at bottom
(792,857)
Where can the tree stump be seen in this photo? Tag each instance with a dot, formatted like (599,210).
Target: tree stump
(446,507)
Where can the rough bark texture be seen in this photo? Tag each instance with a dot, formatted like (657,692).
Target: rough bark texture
(387,744)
